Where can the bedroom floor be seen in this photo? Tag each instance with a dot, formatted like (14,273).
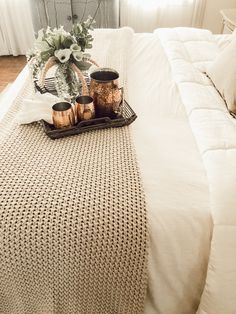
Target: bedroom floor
(10,67)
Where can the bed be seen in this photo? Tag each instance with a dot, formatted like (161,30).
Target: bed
(186,273)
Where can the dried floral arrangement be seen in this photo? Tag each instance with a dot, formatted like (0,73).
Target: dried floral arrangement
(66,50)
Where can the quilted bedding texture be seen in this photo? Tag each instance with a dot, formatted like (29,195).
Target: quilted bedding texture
(189,52)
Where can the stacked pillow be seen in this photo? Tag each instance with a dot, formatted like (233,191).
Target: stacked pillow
(222,72)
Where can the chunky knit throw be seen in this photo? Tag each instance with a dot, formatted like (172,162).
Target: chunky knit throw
(73,225)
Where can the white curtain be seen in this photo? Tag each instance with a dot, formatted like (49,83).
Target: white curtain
(16,27)
(147,15)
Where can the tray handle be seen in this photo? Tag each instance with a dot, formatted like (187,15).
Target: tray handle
(94,121)
(85,90)
(52,61)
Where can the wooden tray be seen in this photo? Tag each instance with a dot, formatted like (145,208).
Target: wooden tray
(127,117)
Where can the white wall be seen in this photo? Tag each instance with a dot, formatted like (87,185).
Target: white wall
(212,18)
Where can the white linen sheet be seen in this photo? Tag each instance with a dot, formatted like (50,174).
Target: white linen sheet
(174,180)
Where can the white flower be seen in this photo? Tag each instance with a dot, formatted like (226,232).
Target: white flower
(48,30)
(78,56)
(86,56)
(75,47)
(60,31)
(63,55)
(40,34)
(41,45)
(57,31)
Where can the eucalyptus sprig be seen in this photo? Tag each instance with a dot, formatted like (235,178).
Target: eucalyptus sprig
(82,34)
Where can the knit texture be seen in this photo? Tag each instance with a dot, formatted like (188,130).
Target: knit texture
(73,222)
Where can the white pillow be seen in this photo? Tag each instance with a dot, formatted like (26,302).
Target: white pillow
(222,72)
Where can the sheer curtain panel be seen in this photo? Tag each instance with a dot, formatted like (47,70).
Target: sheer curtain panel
(145,16)
(16,28)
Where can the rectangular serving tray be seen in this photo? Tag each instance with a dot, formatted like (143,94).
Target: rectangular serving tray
(127,117)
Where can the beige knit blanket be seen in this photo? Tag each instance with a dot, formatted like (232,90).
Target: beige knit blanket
(73,225)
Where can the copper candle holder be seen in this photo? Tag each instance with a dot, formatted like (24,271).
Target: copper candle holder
(63,115)
(85,108)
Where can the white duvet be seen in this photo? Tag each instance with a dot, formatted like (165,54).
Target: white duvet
(184,140)
(214,130)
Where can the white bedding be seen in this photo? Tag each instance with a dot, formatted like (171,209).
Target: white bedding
(174,177)
(174,180)
(214,130)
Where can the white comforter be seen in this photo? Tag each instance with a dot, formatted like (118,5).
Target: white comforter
(177,174)
(215,133)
